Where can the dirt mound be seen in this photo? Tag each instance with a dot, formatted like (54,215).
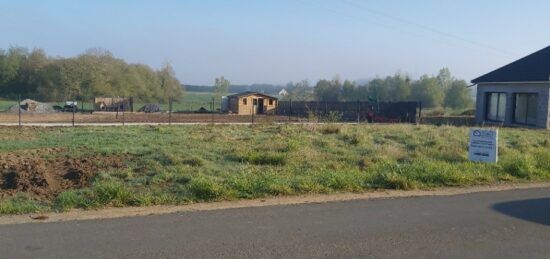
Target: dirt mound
(29,105)
(45,178)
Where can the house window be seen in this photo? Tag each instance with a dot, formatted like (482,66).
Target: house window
(244,101)
(270,101)
(255,102)
(525,108)
(496,106)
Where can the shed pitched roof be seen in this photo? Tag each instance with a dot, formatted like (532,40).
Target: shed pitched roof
(532,68)
(248,93)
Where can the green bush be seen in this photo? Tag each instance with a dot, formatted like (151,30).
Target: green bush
(20,204)
(333,117)
(520,166)
(206,189)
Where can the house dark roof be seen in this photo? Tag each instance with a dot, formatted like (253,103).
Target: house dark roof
(248,93)
(533,68)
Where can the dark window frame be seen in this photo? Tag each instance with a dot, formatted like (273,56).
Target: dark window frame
(245,101)
(514,119)
(488,105)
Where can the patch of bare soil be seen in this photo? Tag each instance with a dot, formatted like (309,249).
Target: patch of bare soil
(43,178)
(138,117)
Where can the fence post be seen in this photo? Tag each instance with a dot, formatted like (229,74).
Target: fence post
(358,112)
(290,110)
(169,111)
(123,112)
(318,114)
(74,108)
(419,112)
(326,108)
(212,110)
(19,108)
(252,111)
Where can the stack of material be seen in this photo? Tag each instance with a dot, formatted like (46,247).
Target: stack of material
(29,105)
(150,107)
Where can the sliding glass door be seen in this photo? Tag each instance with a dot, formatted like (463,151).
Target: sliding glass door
(496,107)
(525,109)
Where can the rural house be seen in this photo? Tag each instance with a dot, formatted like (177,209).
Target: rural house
(247,103)
(517,94)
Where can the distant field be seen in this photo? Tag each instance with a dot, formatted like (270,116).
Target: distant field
(55,169)
(5,104)
(192,101)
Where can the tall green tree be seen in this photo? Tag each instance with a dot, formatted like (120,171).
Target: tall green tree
(348,91)
(428,91)
(458,95)
(445,78)
(170,85)
(300,91)
(221,87)
(327,91)
(377,90)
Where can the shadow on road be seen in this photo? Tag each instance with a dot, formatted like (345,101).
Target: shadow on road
(535,210)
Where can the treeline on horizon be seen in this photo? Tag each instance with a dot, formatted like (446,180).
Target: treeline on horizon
(96,72)
(442,90)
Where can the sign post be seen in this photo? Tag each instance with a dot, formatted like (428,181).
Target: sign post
(483,146)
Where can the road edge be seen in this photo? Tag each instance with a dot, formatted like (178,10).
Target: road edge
(111,213)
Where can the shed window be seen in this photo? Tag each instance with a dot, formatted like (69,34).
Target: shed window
(270,101)
(245,100)
(525,108)
(496,106)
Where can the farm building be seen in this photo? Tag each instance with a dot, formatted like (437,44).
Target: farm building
(113,104)
(247,103)
(517,94)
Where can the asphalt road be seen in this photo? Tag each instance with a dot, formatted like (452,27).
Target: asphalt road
(509,224)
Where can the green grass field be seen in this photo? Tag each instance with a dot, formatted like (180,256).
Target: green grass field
(6,104)
(192,101)
(179,165)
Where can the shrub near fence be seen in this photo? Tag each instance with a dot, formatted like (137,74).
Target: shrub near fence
(353,111)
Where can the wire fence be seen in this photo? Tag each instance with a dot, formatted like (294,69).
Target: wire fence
(28,112)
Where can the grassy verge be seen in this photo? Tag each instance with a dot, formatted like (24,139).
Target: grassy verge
(177,165)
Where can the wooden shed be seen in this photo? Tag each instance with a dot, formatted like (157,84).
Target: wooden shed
(247,103)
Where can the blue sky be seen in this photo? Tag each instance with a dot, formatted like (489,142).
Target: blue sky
(277,41)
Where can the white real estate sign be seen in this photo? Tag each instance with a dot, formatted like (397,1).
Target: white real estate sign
(483,145)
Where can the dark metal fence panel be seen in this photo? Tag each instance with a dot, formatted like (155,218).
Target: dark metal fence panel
(353,111)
